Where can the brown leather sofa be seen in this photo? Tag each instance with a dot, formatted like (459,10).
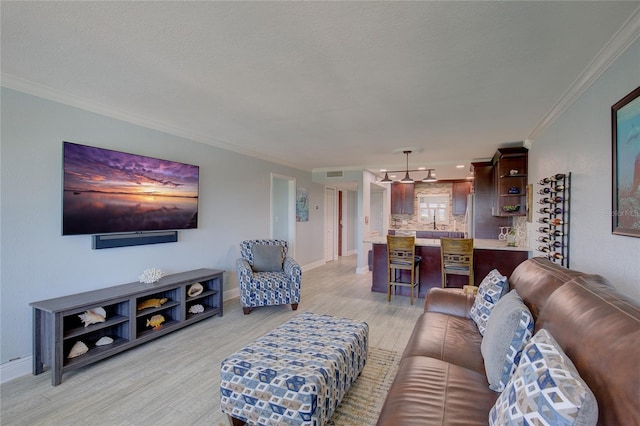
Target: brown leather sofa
(441,379)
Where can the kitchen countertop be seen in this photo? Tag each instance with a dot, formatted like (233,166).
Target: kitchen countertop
(486,244)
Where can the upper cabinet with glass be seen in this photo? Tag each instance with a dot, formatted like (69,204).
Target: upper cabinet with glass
(510,182)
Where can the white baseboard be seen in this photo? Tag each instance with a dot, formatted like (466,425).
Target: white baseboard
(231,294)
(16,368)
(363,270)
(313,265)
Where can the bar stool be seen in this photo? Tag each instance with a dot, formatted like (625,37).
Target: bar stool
(401,256)
(456,258)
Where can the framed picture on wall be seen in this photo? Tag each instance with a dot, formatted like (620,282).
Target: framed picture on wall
(302,205)
(625,136)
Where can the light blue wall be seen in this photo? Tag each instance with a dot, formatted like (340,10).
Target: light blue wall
(579,142)
(37,263)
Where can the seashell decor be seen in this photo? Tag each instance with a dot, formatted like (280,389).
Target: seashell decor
(93,316)
(196,309)
(78,349)
(151,275)
(105,340)
(195,290)
(151,303)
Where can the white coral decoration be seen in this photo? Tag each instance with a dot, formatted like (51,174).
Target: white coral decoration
(196,309)
(150,276)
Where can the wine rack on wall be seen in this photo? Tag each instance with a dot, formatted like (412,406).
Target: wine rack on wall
(555,197)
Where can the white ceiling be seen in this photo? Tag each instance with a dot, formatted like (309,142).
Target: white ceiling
(315,85)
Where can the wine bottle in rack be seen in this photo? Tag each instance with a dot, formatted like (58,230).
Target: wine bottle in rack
(551,200)
(544,230)
(556,221)
(543,219)
(545,191)
(544,239)
(556,232)
(555,244)
(544,181)
(547,210)
(556,255)
(544,249)
(557,177)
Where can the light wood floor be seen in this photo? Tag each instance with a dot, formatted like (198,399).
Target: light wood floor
(175,380)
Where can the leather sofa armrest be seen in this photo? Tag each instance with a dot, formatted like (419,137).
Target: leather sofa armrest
(449,301)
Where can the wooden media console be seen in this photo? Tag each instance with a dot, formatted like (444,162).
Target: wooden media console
(57,325)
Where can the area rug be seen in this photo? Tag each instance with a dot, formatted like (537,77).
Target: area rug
(362,403)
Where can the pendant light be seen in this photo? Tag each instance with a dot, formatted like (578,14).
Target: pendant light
(430,177)
(386,178)
(407,178)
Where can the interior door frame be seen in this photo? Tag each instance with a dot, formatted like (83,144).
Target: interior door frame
(340,224)
(291,210)
(330,222)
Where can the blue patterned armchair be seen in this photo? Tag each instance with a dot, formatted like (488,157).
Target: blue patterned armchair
(266,275)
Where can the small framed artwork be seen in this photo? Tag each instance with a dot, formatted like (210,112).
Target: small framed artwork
(302,205)
(625,136)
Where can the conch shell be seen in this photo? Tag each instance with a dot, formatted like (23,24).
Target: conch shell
(78,349)
(152,303)
(155,321)
(104,340)
(195,290)
(93,316)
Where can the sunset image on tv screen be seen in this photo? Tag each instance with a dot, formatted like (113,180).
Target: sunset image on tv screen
(108,191)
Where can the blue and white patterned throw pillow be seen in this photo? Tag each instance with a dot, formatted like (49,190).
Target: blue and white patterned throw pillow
(509,329)
(546,389)
(491,289)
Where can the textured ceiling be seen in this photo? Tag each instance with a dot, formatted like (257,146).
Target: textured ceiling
(317,85)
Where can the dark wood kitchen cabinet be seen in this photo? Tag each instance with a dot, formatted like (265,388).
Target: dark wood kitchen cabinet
(459,197)
(485,224)
(402,198)
(510,182)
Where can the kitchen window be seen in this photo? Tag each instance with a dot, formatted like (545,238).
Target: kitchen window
(434,207)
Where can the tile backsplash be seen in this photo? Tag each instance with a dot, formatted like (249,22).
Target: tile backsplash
(412,222)
(456,223)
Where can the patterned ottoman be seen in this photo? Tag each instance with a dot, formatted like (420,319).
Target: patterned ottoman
(295,375)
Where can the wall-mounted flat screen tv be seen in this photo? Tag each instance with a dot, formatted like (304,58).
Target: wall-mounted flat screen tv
(107,191)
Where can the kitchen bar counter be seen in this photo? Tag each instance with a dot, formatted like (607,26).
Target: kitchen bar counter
(487,255)
(477,243)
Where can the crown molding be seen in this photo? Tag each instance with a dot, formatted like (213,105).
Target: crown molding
(618,44)
(36,89)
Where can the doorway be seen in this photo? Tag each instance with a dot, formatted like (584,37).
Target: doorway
(330,224)
(283,210)
(340,224)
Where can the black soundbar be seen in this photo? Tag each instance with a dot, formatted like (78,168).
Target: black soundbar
(133,239)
